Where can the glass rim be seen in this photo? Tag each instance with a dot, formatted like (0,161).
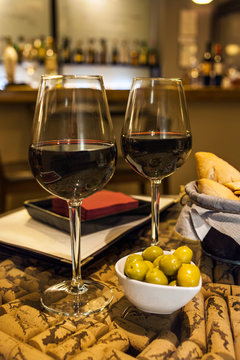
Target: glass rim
(71,76)
(160,79)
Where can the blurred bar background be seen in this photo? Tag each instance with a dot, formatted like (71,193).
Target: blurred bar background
(119,39)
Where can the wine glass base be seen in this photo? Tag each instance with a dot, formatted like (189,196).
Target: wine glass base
(61,299)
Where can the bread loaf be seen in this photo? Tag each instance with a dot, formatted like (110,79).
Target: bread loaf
(213,188)
(210,166)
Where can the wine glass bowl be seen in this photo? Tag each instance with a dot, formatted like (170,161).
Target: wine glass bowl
(72,155)
(156,137)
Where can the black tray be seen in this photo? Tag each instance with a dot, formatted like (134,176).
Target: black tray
(41,210)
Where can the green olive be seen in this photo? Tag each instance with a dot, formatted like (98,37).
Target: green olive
(156,261)
(184,254)
(136,269)
(149,264)
(152,252)
(188,275)
(156,276)
(133,257)
(169,264)
(173,283)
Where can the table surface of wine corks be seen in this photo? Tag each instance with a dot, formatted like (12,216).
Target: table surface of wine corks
(208,327)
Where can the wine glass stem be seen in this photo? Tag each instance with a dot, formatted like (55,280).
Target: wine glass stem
(155,194)
(75,230)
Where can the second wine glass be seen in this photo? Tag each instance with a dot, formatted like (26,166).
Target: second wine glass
(156,137)
(72,155)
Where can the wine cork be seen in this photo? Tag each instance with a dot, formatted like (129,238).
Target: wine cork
(13,326)
(104,274)
(99,329)
(160,348)
(193,322)
(105,318)
(55,335)
(25,323)
(44,277)
(114,354)
(149,321)
(80,323)
(6,265)
(187,350)
(95,352)
(72,345)
(223,274)
(9,291)
(216,289)
(31,299)
(7,344)
(235,290)
(116,339)
(32,270)
(112,281)
(212,356)
(119,308)
(237,346)
(26,352)
(117,294)
(20,278)
(206,268)
(139,337)
(196,304)
(234,311)
(35,318)
(218,330)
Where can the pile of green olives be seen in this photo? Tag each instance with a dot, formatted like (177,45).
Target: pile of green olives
(153,266)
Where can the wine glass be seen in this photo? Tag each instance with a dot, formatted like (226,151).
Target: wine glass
(72,155)
(156,137)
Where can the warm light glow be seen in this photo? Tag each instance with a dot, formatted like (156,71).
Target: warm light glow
(202,2)
(232,49)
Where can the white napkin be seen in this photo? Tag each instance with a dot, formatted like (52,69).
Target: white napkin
(203,212)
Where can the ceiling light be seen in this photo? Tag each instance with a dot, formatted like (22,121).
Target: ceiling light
(202,2)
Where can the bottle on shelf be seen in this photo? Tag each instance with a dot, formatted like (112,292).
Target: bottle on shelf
(153,62)
(90,53)
(10,58)
(218,66)
(103,52)
(66,51)
(143,54)
(115,53)
(134,53)
(51,59)
(124,53)
(78,56)
(207,65)
(40,50)
(20,48)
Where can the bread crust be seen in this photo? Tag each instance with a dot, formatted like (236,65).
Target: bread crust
(210,166)
(213,188)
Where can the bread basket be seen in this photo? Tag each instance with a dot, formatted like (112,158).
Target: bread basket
(212,220)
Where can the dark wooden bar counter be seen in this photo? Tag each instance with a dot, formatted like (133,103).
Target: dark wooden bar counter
(207,324)
(19,94)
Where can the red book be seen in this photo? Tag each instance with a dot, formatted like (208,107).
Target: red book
(100,204)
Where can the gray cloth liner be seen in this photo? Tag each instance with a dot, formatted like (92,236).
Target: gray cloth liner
(201,212)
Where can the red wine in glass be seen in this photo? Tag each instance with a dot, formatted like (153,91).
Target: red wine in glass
(73,169)
(156,137)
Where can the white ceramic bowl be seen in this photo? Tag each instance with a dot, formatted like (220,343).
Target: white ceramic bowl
(152,298)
